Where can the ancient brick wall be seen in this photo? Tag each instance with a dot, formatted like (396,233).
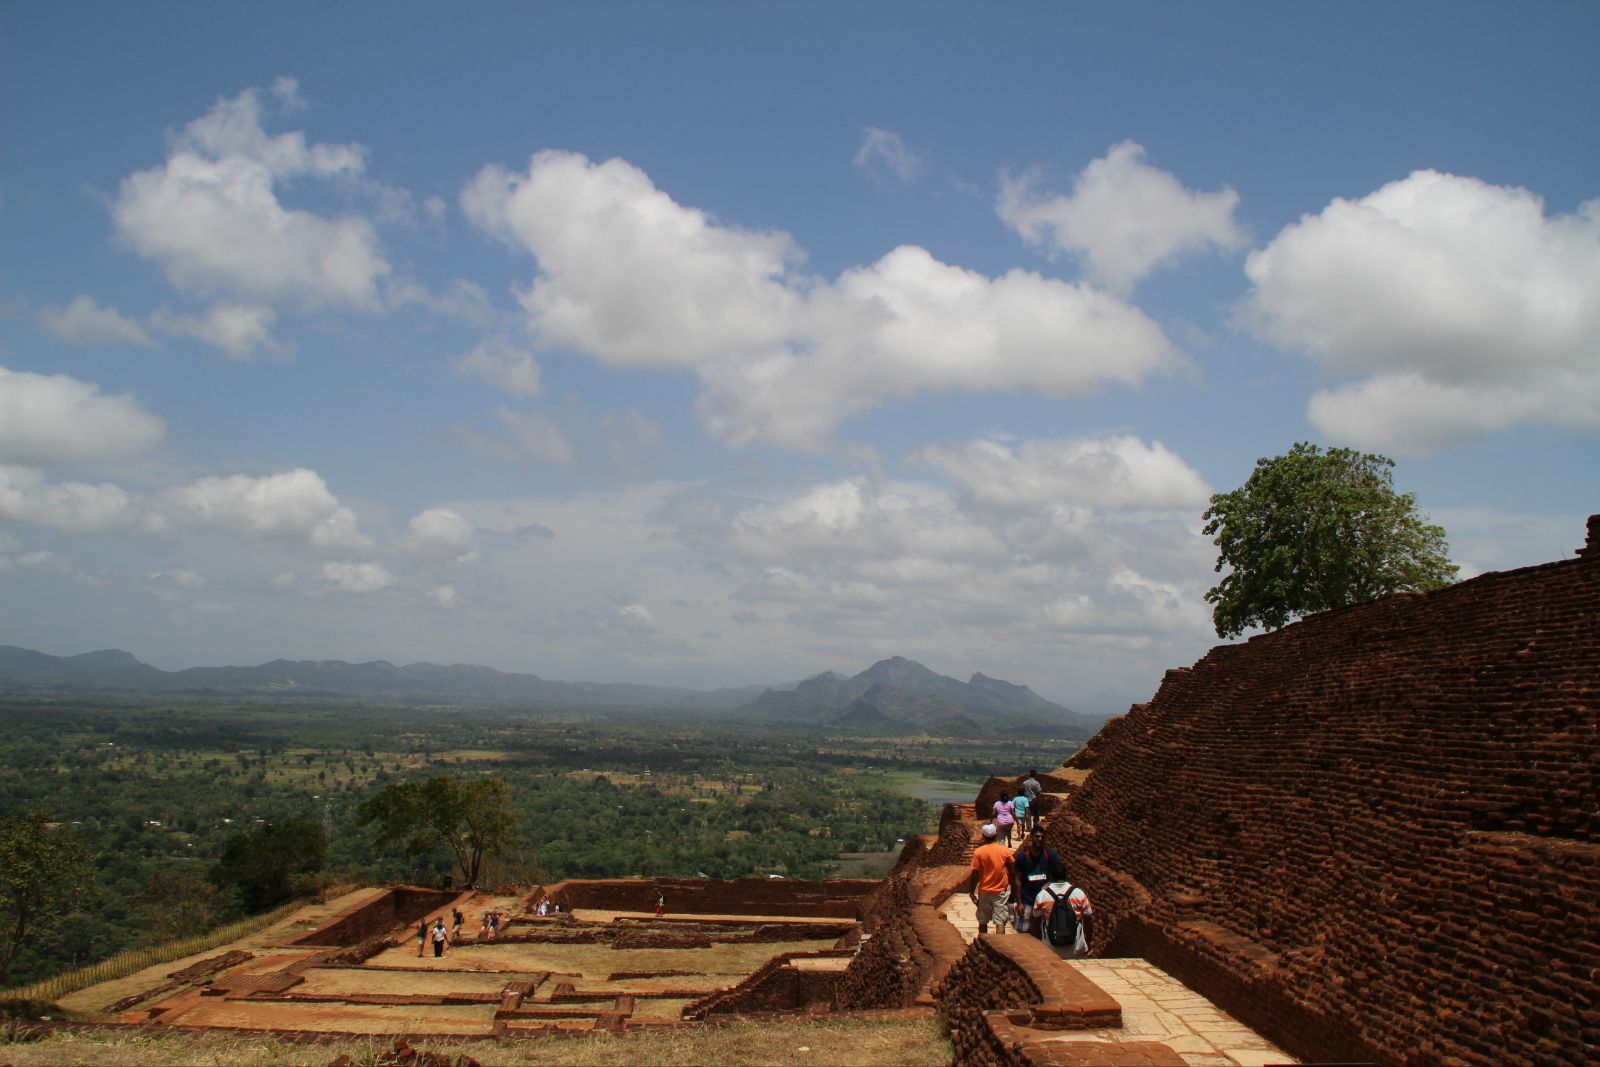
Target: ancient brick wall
(702,896)
(775,987)
(1374,833)
(1006,985)
(906,945)
(401,904)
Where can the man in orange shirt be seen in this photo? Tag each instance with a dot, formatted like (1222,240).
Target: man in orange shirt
(990,884)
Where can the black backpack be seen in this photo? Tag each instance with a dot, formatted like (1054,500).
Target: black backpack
(1062,927)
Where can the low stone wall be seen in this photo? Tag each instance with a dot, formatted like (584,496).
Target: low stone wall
(1005,984)
(380,914)
(840,899)
(906,945)
(775,987)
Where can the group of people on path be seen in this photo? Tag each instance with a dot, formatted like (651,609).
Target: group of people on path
(1028,887)
(441,938)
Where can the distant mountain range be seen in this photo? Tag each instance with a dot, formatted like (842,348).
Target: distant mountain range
(893,697)
(901,696)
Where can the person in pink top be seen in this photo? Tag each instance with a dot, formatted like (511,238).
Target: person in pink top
(1004,818)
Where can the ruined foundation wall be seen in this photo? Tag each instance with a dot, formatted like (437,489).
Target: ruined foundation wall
(1374,833)
(701,896)
(401,904)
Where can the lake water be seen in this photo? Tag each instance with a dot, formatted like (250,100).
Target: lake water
(939,791)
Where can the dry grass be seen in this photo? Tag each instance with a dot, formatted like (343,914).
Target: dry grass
(844,1040)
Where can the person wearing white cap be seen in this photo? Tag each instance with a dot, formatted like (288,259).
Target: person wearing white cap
(990,884)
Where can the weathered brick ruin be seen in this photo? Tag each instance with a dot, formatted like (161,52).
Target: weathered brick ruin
(1370,836)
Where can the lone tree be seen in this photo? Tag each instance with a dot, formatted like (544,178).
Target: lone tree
(261,865)
(1314,530)
(471,818)
(44,873)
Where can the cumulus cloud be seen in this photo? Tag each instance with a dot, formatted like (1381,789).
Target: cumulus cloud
(72,507)
(1123,219)
(1459,306)
(85,322)
(1104,472)
(356,577)
(211,216)
(633,279)
(55,418)
(292,506)
(885,153)
(241,330)
(439,533)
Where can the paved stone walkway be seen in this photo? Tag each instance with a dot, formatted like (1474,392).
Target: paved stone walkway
(1155,1007)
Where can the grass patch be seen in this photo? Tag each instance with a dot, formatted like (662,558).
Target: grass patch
(844,1039)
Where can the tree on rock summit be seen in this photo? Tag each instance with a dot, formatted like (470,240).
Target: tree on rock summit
(1313,530)
(471,818)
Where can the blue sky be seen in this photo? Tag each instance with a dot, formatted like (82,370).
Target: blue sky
(710,344)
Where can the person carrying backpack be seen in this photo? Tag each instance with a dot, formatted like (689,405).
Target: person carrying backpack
(1066,920)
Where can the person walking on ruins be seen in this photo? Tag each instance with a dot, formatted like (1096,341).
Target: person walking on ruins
(1031,789)
(990,883)
(1004,817)
(1066,920)
(457,919)
(422,936)
(661,905)
(1031,868)
(440,937)
(1020,806)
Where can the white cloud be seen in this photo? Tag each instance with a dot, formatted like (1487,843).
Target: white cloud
(54,418)
(1105,472)
(356,577)
(439,533)
(634,279)
(238,329)
(1124,217)
(210,216)
(444,596)
(884,151)
(294,506)
(72,507)
(1465,307)
(535,438)
(84,322)
(636,617)
(505,364)
(627,274)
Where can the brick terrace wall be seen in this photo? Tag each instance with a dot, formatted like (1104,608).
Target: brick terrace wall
(840,899)
(402,904)
(907,945)
(1374,833)
(775,987)
(1004,982)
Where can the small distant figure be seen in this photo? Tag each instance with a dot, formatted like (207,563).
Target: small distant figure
(544,907)
(990,883)
(661,905)
(441,937)
(483,927)
(1004,817)
(494,925)
(1020,806)
(455,927)
(1066,920)
(1031,789)
(422,936)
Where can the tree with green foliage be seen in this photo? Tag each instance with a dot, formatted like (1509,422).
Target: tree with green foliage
(262,865)
(471,818)
(1313,530)
(45,873)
